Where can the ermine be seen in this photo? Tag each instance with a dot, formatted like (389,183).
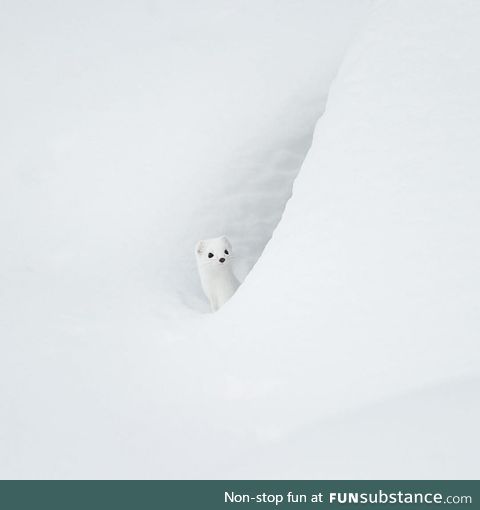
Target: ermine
(215,270)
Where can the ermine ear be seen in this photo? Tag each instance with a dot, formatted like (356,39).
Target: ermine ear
(199,247)
(226,241)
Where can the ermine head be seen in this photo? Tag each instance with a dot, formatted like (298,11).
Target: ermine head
(214,252)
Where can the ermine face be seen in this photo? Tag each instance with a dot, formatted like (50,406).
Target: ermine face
(214,252)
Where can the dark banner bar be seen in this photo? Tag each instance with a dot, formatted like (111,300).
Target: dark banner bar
(237,495)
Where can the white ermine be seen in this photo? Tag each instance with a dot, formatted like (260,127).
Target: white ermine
(213,261)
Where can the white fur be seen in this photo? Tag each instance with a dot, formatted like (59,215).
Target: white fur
(218,281)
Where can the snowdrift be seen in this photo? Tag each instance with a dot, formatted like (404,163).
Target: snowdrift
(356,330)
(370,287)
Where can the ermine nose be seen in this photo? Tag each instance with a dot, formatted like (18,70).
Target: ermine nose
(222,260)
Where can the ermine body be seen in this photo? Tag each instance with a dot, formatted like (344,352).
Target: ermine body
(215,269)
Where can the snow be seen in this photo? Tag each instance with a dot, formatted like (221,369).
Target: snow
(132,131)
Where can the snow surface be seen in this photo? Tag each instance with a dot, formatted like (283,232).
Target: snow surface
(132,131)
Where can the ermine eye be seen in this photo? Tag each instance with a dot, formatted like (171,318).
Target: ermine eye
(226,252)
(210,255)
